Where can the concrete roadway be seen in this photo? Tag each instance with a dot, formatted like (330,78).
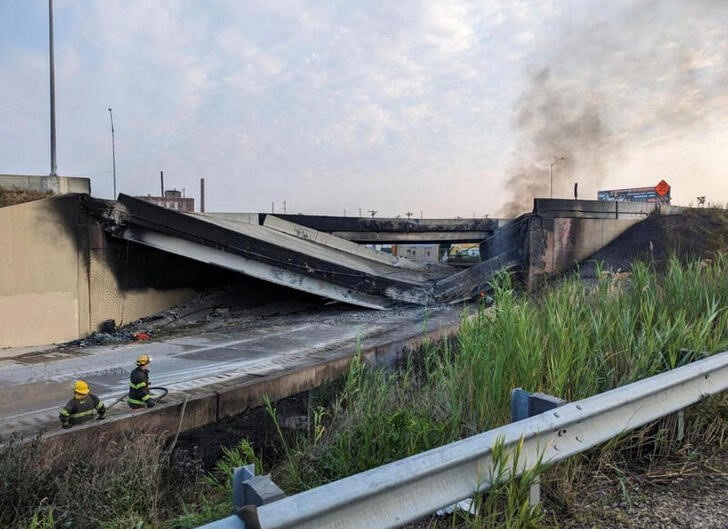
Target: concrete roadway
(34,386)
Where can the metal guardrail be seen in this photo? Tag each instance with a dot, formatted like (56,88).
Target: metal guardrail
(403,491)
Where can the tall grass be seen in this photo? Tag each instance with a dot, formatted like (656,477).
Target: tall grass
(102,485)
(377,418)
(578,340)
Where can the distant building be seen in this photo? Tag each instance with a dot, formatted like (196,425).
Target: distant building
(172,199)
(464,253)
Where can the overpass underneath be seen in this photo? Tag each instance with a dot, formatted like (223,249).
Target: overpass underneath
(365,230)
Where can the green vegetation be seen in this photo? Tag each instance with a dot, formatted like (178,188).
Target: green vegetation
(573,341)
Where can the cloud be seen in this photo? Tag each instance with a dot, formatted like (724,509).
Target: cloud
(649,76)
(413,105)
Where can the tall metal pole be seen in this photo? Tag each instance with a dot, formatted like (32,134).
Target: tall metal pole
(552,174)
(113,151)
(53,89)
(202,195)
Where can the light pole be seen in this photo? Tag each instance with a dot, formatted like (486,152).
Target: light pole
(113,151)
(552,174)
(53,88)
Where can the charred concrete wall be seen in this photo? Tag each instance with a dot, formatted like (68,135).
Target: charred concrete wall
(557,245)
(44,288)
(562,233)
(61,275)
(129,281)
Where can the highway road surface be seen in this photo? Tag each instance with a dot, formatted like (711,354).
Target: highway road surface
(35,385)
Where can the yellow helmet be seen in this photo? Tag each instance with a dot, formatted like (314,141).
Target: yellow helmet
(143,360)
(80,387)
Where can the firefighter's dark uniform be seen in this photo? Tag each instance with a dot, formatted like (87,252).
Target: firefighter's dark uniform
(78,411)
(139,396)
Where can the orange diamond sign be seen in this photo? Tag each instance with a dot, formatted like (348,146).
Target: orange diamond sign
(663,188)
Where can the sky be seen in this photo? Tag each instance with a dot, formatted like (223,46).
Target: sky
(436,108)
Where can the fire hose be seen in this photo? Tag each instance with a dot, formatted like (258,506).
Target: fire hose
(152,391)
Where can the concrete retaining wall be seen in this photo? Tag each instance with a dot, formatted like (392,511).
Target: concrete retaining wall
(44,287)
(599,209)
(58,185)
(125,281)
(562,233)
(61,275)
(556,245)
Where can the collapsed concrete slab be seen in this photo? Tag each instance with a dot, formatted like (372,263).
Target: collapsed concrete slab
(286,254)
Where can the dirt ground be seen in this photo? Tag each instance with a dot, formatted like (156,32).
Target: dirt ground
(688,490)
(695,234)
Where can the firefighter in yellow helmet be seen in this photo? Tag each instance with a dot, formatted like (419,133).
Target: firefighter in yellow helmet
(82,407)
(139,396)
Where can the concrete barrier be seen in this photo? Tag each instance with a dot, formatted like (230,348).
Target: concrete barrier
(58,185)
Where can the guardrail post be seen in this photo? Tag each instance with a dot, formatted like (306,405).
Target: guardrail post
(240,476)
(523,406)
(680,425)
(251,491)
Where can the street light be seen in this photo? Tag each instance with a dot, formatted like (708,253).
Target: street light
(113,151)
(552,174)
(52,89)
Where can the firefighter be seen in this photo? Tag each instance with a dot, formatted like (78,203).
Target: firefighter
(82,407)
(139,396)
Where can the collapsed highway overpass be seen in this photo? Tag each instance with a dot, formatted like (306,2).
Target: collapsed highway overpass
(71,263)
(291,255)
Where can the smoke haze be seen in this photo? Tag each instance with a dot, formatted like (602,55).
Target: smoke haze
(649,79)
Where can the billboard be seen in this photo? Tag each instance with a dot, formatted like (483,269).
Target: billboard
(659,193)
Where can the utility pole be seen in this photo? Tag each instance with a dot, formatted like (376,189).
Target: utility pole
(113,151)
(161,182)
(202,195)
(53,89)
(552,174)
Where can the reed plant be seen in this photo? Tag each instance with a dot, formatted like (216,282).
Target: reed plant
(577,340)
(109,484)
(379,416)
